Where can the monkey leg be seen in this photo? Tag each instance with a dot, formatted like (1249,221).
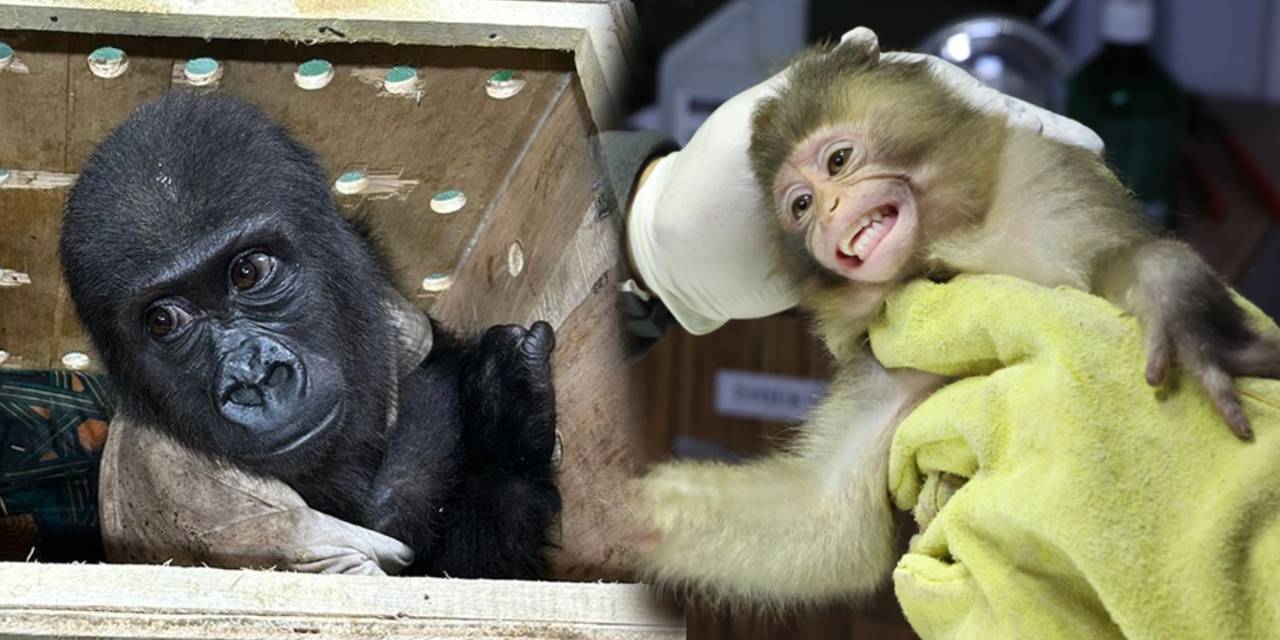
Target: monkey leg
(1191,319)
(810,525)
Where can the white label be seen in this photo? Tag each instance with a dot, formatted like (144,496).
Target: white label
(761,396)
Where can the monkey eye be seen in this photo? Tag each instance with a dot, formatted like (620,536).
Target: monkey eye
(163,319)
(801,205)
(250,269)
(839,158)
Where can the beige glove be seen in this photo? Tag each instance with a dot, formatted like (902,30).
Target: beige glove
(160,502)
(697,226)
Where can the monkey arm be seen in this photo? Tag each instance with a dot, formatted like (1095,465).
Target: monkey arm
(1191,318)
(811,525)
(1059,217)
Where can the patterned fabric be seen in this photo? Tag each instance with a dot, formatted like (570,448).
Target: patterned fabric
(53,425)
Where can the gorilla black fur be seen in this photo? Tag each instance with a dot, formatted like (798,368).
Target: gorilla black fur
(240,312)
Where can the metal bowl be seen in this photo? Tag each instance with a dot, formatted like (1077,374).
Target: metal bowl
(1007,54)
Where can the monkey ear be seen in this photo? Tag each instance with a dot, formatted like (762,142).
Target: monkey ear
(863,43)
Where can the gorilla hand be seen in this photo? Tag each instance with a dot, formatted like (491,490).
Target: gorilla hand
(512,400)
(509,426)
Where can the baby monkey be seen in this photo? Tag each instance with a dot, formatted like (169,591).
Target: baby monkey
(878,174)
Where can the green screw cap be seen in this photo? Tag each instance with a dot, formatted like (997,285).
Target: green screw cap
(504,84)
(448,201)
(351,182)
(313,74)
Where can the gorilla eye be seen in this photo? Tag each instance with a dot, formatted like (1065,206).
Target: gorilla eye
(801,205)
(838,160)
(249,270)
(163,319)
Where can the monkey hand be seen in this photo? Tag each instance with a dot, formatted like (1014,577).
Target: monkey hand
(509,396)
(698,230)
(1215,344)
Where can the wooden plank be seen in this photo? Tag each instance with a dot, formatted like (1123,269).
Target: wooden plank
(541,206)
(601,424)
(28,219)
(97,106)
(606,28)
(455,138)
(571,250)
(33,125)
(133,601)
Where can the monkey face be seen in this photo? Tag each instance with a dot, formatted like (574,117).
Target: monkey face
(857,216)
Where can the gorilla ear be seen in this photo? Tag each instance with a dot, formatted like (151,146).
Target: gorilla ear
(861,46)
(414,335)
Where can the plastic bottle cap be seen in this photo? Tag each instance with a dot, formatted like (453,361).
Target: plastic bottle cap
(448,201)
(1128,21)
(6,55)
(351,182)
(108,62)
(504,84)
(437,282)
(400,80)
(75,360)
(313,74)
(202,71)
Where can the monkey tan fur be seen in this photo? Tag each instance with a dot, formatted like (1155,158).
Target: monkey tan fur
(877,175)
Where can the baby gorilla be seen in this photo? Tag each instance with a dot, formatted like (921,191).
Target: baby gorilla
(239,312)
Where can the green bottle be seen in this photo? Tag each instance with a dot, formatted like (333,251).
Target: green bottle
(1128,99)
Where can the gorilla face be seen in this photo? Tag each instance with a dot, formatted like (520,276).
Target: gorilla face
(275,387)
(231,302)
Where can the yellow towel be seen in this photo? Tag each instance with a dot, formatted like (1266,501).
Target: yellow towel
(1089,505)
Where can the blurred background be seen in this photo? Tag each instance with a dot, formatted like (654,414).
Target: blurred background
(1185,94)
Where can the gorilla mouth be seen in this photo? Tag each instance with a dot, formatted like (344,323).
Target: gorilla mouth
(304,435)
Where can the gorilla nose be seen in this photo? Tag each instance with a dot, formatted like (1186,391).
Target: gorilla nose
(245,395)
(259,383)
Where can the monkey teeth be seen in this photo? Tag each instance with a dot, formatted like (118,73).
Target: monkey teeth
(866,235)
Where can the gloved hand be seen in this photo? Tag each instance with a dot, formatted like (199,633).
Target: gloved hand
(1059,495)
(697,226)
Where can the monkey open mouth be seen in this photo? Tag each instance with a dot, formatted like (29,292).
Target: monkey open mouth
(862,237)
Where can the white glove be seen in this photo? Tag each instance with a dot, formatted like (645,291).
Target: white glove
(698,228)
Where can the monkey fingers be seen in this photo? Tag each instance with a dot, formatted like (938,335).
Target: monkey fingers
(1216,369)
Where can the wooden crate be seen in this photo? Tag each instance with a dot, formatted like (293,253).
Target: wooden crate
(134,601)
(538,239)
